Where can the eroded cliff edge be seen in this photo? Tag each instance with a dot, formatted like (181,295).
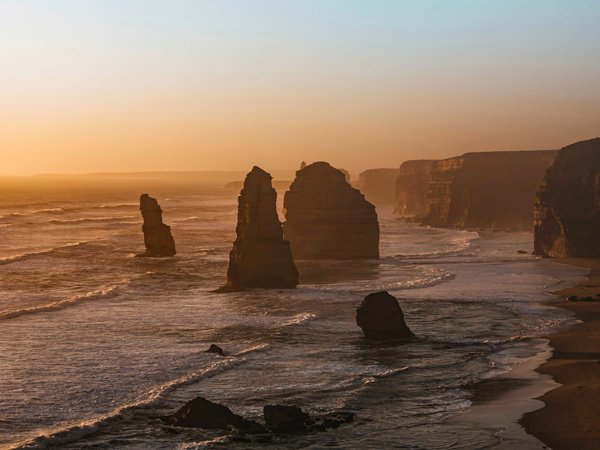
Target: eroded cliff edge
(567,207)
(157,236)
(411,188)
(326,218)
(260,257)
(486,190)
(378,185)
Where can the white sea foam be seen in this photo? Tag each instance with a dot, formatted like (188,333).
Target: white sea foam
(98,294)
(21,257)
(299,319)
(92,220)
(152,398)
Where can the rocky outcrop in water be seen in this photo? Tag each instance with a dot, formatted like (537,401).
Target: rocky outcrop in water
(328,219)
(291,419)
(412,186)
(202,413)
(378,185)
(486,190)
(260,258)
(381,317)
(567,208)
(284,419)
(157,235)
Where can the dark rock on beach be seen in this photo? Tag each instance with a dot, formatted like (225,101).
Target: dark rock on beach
(326,218)
(202,413)
(567,208)
(260,257)
(157,235)
(381,317)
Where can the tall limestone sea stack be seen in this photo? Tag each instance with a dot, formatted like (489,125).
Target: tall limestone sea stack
(260,258)
(378,185)
(567,208)
(326,218)
(486,190)
(157,235)
(412,186)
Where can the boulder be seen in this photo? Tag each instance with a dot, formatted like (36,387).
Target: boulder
(157,235)
(202,413)
(326,218)
(567,207)
(285,419)
(215,349)
(381,317)
(260,257)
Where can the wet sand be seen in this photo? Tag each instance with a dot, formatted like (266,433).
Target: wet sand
(570,418)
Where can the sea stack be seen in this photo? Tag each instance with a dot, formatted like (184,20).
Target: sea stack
(381,317)
(157,235)
(567,208)
(378,185)
(493,190)
(260,257)
(326,218)
(412,186)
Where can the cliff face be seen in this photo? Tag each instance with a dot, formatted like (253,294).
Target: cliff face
(260,258)
(157,235)
(486,190)
(567,208)
(326,218)
(378,185)
(412,186)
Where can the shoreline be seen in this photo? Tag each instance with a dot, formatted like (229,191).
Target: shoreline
(570,417)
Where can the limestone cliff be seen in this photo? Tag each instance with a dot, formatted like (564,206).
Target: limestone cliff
(326,218)
(486,190)
(412,186)
(157,235)
(567,208)
(378,185)
(260,258)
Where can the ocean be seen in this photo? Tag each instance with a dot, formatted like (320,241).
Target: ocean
(97,344)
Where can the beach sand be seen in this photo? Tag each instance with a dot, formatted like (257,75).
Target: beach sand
(570,418)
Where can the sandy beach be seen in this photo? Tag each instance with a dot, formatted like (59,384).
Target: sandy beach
(570,418)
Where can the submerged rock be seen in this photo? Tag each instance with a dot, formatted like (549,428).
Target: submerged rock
(326,218)
(567,208)
(157,235)
(202,413)
(381,317)
(285,419)
(291,419)
(260,257)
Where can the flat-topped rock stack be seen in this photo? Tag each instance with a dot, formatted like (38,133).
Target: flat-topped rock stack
(260,257)
(326,218)
(567,208)
(157,236)
(378,185)
(412,187)
(486,190)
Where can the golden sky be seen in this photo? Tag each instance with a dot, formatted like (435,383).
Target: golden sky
(206,85)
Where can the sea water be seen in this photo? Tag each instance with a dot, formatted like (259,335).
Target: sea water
(97,344)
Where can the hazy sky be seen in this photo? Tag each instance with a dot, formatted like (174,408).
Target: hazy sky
(123,85)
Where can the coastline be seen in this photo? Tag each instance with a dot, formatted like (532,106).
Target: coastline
(571,415)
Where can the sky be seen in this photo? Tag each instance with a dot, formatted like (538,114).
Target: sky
(124,85)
